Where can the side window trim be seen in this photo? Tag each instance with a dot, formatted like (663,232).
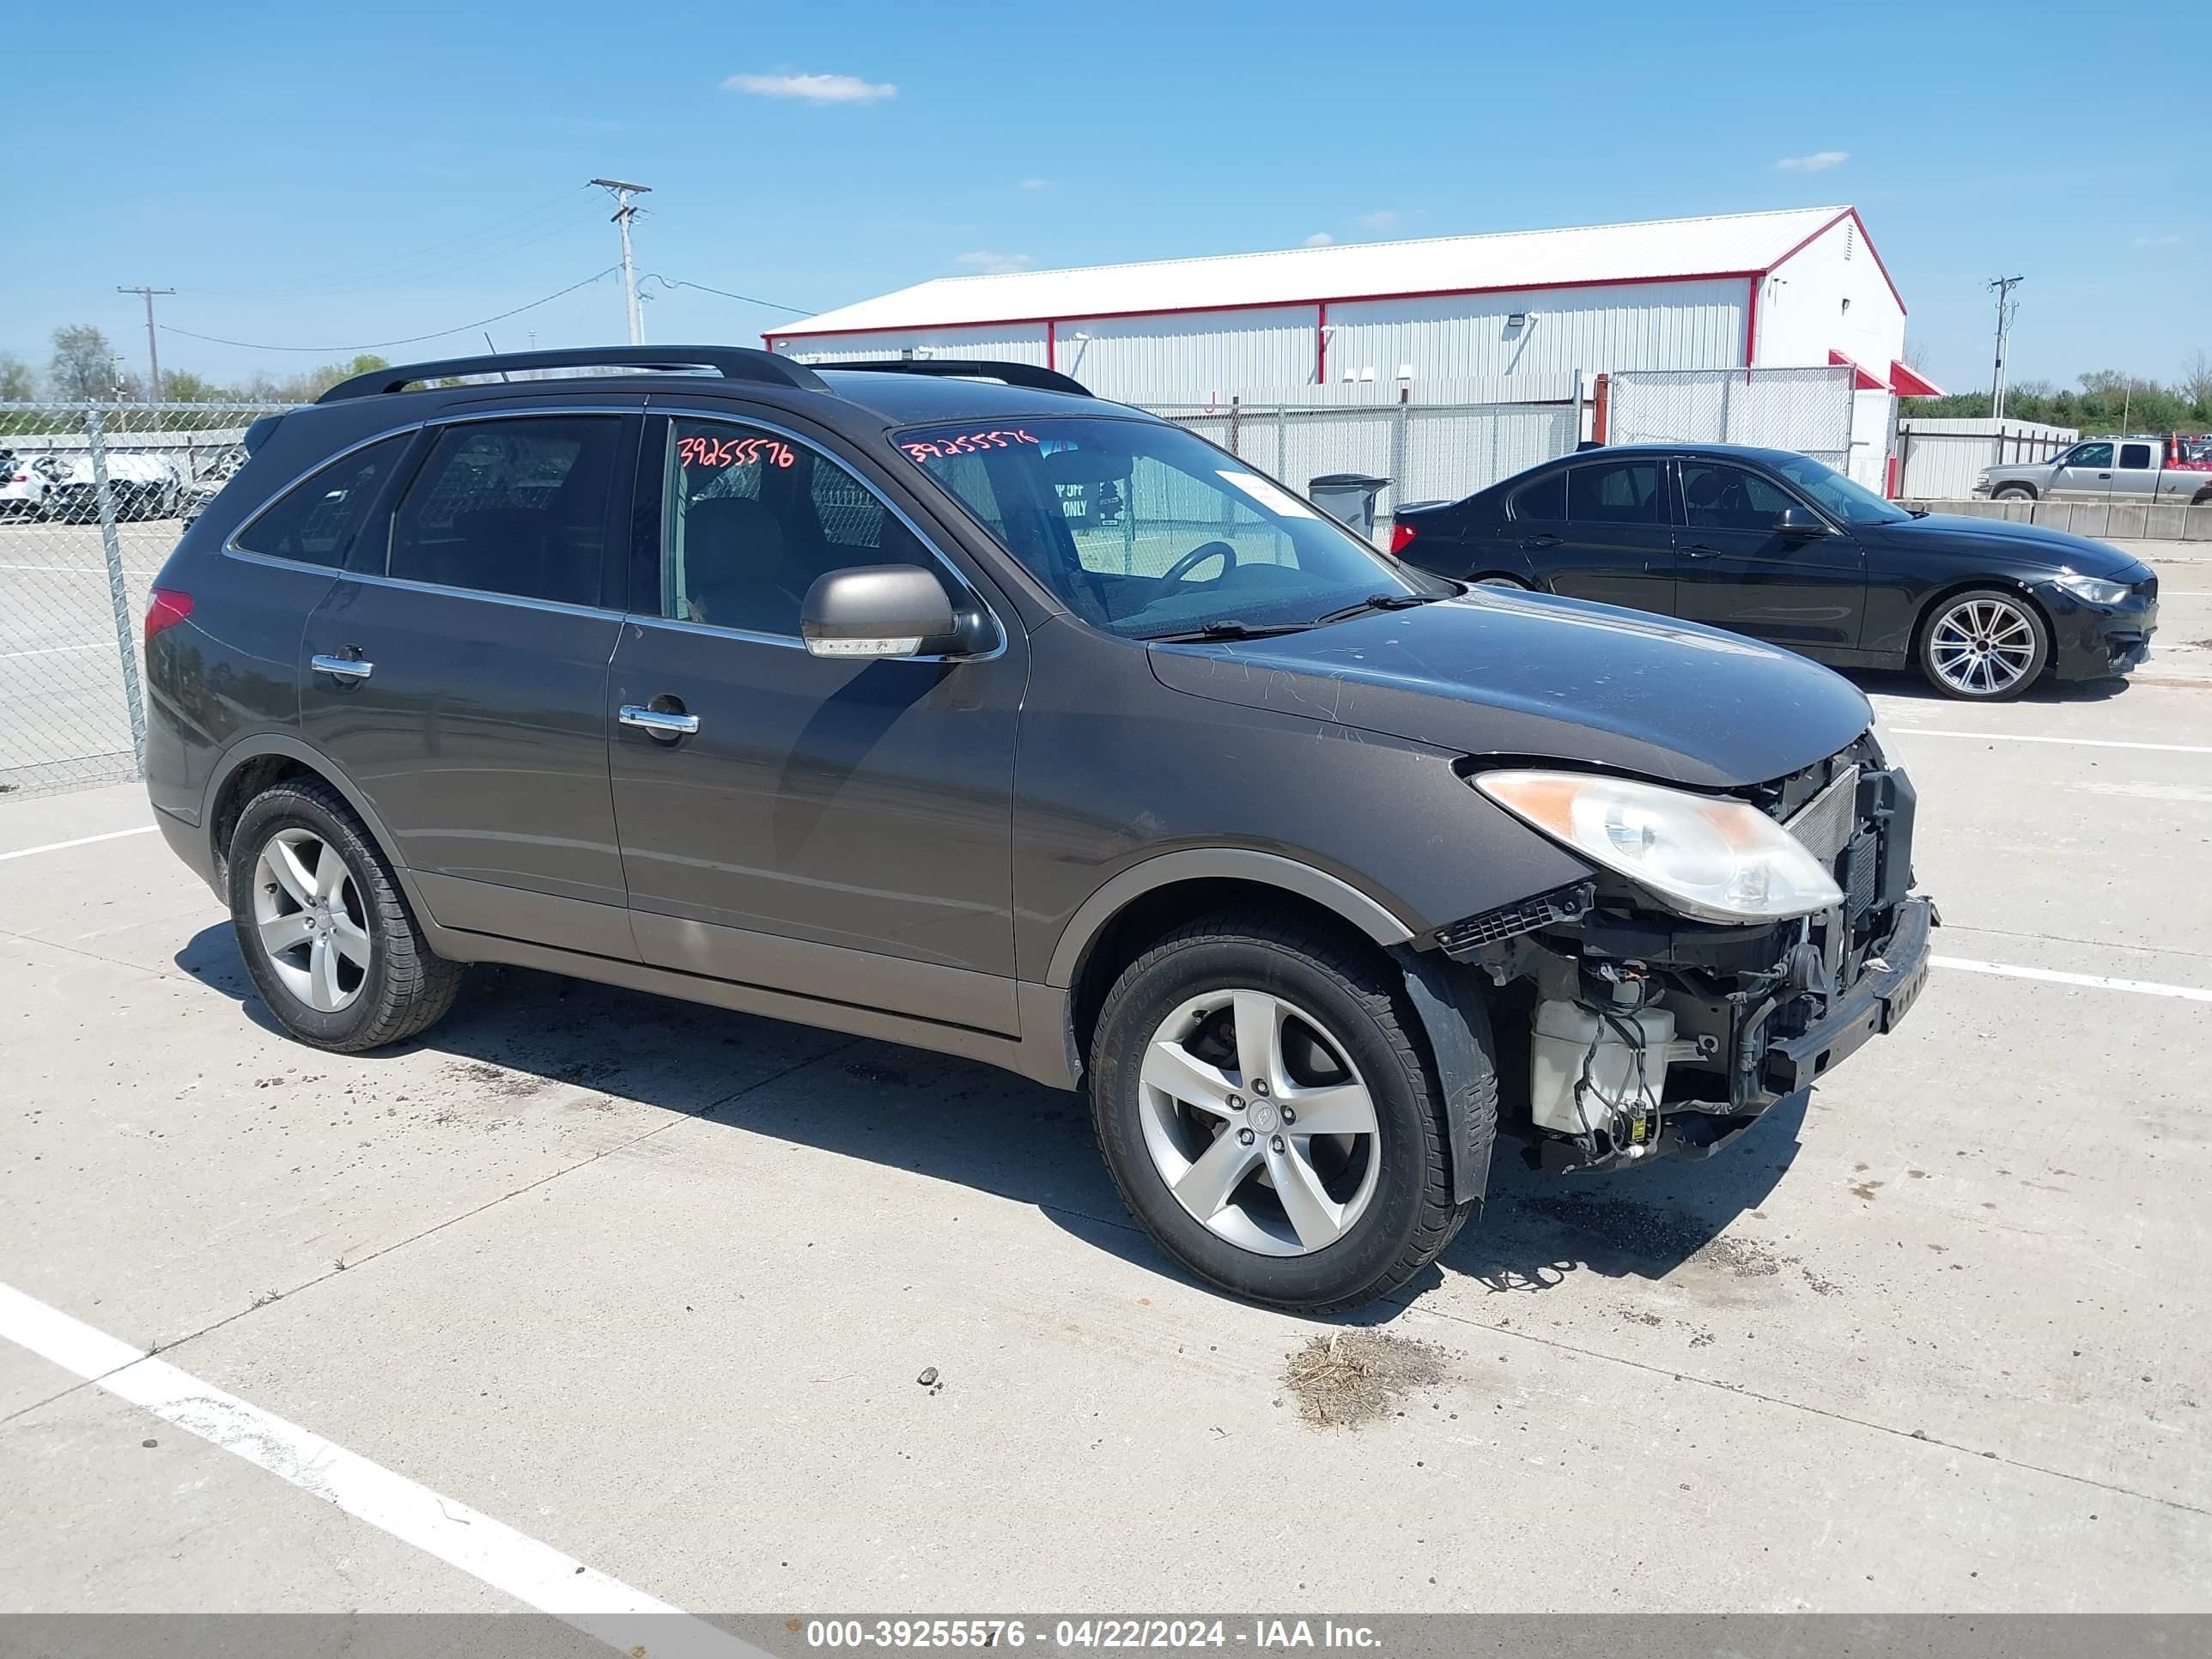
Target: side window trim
(645,544)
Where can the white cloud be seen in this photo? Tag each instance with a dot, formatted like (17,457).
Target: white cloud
(1819,162)
(2170,240)
(1033,184)
(1380,219)
(813,89)
(984,260)
(1320,239)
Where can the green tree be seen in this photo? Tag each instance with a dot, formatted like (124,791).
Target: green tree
(84,368)
(181,386)
(18,385)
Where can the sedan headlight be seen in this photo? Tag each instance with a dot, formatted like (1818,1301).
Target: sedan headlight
(2095,589)
(1703,857)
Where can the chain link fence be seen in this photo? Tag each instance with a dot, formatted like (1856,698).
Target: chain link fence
(92,498)
(1808,409)
(1428,451)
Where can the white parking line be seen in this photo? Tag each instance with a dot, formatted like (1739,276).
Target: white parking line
(533,1573)
(81,841)
(57,650)
(2093,982)
(1904,730)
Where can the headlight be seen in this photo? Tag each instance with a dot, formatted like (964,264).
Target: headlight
(2094,589)
(1706,858)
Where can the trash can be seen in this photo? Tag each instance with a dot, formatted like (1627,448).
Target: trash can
(1347,497)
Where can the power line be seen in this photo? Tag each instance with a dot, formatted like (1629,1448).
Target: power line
(412,339)
(671,281)
(381,270)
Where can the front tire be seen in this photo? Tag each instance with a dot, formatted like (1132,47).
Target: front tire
(326,932)
(2013,493)
(1985,646)
(1269,1116)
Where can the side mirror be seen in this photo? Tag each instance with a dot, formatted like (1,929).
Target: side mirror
(1800,521)
(880,611)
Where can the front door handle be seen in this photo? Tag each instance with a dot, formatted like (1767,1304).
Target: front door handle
(657,722)
(342,668)
(1701,552)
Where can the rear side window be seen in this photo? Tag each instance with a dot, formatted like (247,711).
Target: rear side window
(318,519)
(1547,498)
(2134,455)
(514,506)
(1615,492)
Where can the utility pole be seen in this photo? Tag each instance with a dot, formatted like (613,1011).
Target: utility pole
(624,213)
(153,351)
(2002,287)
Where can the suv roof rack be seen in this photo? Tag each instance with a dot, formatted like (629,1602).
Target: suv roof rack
(971,368)
(735,362)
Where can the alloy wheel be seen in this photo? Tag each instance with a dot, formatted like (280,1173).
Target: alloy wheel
(309,919)
(1982,646)
(1259,1123)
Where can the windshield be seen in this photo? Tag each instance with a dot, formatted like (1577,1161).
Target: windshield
(1853,503)
(1147,531)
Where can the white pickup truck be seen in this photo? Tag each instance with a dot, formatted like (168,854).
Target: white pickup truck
(2123,471)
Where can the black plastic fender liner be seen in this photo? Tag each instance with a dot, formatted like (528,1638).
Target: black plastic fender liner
(1455,1017)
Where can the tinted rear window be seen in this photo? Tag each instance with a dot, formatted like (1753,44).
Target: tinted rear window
(515,507)
(1615,492)
(1546,498)
(318,519)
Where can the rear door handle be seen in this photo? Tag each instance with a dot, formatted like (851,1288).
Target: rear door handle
(1544,539)
(659,724)
(1701,552)
(342,668)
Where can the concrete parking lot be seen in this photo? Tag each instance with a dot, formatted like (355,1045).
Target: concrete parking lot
(653,1284)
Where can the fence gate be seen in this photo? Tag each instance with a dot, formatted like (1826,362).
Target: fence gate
(92,499)
(1806,409)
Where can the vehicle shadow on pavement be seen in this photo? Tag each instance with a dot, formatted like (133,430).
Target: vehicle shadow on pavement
(516,1037)
(1890,683)
(1536,1231)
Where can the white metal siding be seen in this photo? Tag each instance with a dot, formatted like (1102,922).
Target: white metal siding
(1190,357)
(1005,343)
(1682,324)
(1802,315)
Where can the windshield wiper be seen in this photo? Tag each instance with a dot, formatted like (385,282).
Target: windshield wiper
(1227,629)
(1377,601)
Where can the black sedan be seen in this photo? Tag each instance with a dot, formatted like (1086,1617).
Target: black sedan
(1770,544)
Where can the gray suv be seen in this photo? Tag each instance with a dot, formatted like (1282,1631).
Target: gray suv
(946,704)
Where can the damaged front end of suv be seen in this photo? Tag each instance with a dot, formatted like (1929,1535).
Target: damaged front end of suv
(1729,949)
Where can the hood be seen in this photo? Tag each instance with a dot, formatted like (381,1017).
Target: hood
(1534,675)
(2017,543)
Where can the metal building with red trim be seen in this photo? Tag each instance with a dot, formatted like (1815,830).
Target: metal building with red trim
(1516,314)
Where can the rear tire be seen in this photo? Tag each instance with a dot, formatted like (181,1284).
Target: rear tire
(332,947)
(1207,1150)
(1513,582)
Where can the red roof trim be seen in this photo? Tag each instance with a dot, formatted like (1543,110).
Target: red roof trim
(1909,383)
(1862,379)
(1267,305)
(1851,214)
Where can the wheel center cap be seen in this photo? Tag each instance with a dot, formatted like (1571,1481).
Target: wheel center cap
(1263,1117)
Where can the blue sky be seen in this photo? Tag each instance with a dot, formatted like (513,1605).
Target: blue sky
(333,180)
